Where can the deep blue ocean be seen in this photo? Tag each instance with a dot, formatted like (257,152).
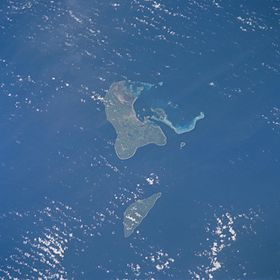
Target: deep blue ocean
(64,190)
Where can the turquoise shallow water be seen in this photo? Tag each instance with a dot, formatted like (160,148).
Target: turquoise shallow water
(160,116)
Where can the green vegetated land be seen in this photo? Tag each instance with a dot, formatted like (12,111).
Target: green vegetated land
(132,133)
(136,212)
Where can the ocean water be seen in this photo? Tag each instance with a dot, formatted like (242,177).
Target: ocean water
(64,190)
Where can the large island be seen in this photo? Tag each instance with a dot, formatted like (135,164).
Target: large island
(132,133)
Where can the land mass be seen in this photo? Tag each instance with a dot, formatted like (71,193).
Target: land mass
(136,212)
(132,133)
